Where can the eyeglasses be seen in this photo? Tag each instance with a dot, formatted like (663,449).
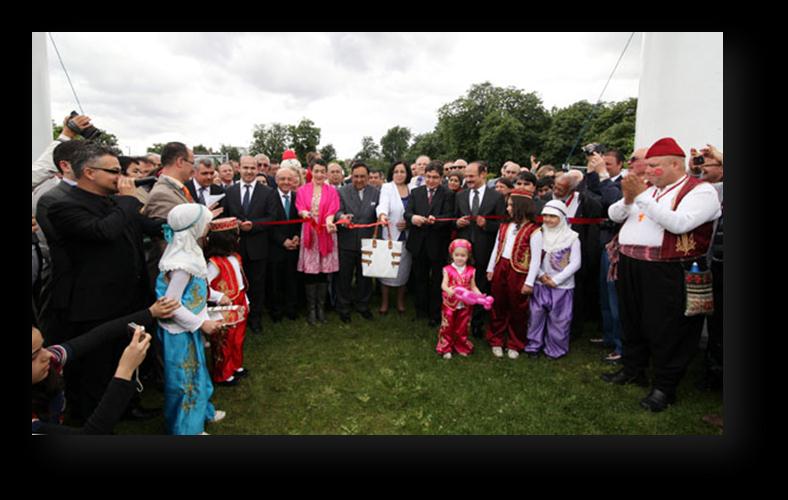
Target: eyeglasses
(117,171)
(263,165)
(187,161)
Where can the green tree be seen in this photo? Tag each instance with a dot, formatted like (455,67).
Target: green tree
(328,152)
(430,144)
(156,148)
(462,122)
(199,149)
(270,141)
(501,138)
(394,144)
(231,152)
(304,137)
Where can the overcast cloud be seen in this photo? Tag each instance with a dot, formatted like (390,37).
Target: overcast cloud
(212,88)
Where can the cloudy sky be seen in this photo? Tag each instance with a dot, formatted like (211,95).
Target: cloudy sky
(212,88)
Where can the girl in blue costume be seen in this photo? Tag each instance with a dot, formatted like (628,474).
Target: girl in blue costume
(183,277)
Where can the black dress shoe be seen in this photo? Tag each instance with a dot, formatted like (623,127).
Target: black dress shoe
(657,400)
(140,413)
(366,315)
(241,374)
(532,355)
(344,317)
(254,326)
(621,378)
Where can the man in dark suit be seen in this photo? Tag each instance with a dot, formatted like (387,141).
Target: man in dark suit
(248,200)
(428,241)
(360,201)
(201,185)
(582,204)
(470,207)
(284,241)
(52,315)
(102,239)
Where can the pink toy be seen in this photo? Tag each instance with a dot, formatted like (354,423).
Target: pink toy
(468,297)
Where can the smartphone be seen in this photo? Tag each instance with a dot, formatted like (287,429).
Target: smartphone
(133,327)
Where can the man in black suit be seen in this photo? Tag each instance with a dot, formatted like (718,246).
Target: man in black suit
(52,315)
(582,204)
(360,201)
(101,236)
(472,204)
(428,241)
(201,185)
(284,241)
(248,200)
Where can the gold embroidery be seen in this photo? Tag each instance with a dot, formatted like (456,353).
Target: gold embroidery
(685,243)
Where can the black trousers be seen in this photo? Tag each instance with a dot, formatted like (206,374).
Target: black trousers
(713,358)
(284,285)
(347,295)
(426,281)
(255,271)
(652,299)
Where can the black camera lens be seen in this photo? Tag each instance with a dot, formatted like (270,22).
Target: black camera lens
(698,160)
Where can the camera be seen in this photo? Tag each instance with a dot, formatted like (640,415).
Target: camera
(590,149)
(146,181)
(88,133)
(698,160)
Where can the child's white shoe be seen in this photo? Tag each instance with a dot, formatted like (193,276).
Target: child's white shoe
(497,352)
(218,416)
(512,353)
(447,355)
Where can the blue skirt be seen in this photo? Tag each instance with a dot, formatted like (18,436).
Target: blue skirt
(187,384)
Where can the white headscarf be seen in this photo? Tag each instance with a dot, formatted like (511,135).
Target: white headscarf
(561,236)
(185,224)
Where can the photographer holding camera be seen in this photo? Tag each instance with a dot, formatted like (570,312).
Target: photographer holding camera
(73,125)
(101,236)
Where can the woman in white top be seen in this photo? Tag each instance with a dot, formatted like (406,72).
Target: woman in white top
(394,198)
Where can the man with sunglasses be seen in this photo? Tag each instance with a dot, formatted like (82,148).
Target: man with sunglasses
(101,228)
(264,168)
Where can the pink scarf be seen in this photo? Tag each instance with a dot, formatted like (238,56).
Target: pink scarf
(329,205)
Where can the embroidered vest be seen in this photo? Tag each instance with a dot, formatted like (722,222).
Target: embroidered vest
(690,245)
(521,253)
(227,282)
(457,279)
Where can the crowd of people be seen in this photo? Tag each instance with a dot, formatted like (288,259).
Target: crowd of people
(620,249)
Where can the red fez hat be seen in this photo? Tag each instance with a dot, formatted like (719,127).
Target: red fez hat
(289,154)
(665,147)
(224,224)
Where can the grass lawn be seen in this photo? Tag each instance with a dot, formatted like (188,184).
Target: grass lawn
(384,377)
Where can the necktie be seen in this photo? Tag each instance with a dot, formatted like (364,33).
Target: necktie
(419,180)
(475,204)
(187,194)
(430,192)
(245,201)
(287,205)
(361,195)
(202,196)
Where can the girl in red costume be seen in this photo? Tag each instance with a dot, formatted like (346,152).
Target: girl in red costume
(227,281)
(456,316)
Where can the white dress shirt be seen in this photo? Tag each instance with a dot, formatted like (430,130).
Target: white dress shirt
(646,220)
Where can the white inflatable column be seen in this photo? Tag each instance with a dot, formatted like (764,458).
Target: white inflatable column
(680,93)
(42,121)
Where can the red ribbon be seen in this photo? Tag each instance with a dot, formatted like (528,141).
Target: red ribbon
(350,225)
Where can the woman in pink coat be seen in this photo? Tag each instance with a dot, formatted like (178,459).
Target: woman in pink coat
(317,203)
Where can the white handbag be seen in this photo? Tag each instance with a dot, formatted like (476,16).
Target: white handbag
(380,258)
